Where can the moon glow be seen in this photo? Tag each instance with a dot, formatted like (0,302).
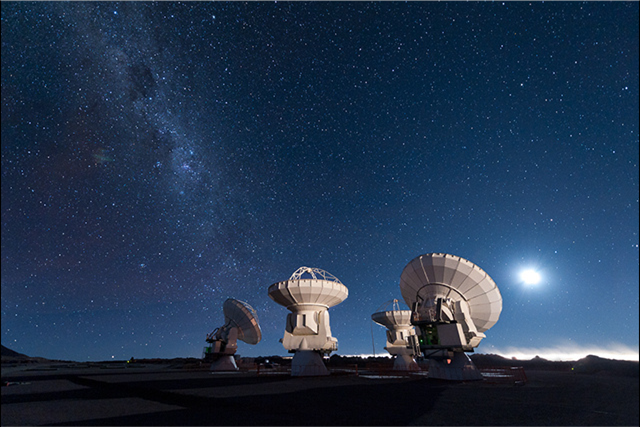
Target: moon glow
(530,277)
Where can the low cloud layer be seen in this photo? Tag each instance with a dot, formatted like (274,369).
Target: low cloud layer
(567,351)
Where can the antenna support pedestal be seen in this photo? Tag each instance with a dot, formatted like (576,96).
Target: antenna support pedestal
(224,363)
(458,368)
(308,363)
(405,362)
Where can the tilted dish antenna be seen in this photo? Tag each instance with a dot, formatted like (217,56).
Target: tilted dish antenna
(399,331)
(453,302)
(241,323)
(308,294)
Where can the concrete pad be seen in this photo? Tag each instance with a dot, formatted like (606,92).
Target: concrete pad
(265,386)
(169,397)
(36,387)
(68,411)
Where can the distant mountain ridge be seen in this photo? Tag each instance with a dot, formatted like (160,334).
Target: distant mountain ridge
(594,364)
(11,356)
(587,365)
(10,353)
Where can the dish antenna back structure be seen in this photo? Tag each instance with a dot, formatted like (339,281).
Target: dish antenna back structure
(308,294)
(453,303)
(399,331)
(241,323)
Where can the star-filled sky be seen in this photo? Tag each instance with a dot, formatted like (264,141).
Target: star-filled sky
(159,158)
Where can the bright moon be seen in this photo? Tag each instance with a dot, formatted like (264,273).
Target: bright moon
(530,277)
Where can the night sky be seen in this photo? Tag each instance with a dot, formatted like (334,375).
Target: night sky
(159,158)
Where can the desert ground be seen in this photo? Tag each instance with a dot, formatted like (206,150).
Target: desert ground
(121,393)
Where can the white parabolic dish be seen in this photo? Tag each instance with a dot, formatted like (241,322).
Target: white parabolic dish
(242,316)
(439,275)
(320,288)
(393,319)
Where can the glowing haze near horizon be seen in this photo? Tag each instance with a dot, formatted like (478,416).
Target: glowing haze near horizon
(158,158)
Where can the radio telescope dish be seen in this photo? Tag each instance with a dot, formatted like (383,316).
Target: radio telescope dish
(399,329)
(308,294)
(245,318)
(241,323)
(453,302)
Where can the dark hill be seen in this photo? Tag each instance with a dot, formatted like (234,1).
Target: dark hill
(7,352)
(493,360)
(587,365)
(10,356)
(594,364)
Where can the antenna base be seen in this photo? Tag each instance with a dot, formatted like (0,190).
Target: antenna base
(457,368)
(224,363)
(405,362)
(307,363)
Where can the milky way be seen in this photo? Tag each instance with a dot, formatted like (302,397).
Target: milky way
(158,158)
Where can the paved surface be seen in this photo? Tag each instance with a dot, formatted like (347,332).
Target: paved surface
(161,395)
